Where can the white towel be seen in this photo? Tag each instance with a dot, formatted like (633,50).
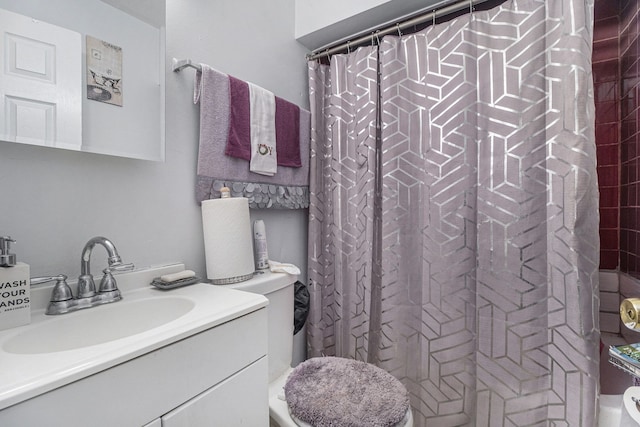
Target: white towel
(283,267)
(262,105)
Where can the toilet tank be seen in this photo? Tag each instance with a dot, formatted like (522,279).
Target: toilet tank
(279,290)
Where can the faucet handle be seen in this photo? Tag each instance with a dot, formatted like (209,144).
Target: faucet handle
(108,286)
(61,291)
(108,282)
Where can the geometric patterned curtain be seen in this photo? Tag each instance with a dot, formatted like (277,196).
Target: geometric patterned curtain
(454,215)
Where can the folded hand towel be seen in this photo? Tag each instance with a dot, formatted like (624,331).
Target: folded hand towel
(239,138)
(262,106)
(288,133)
(282,267)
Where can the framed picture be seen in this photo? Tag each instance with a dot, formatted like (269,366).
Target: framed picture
(104,71)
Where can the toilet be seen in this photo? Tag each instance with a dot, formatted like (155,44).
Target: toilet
(278,288)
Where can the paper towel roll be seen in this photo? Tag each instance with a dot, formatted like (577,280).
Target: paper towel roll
(227,240)
(630,313)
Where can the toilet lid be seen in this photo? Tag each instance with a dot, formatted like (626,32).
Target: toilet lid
(333,391)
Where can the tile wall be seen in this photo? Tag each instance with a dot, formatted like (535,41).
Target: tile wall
(607,98)
(629,138)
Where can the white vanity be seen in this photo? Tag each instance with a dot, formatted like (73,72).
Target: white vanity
(192,356)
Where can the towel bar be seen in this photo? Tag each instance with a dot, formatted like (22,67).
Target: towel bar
(179,65)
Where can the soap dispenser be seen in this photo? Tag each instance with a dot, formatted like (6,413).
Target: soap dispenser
(15,288)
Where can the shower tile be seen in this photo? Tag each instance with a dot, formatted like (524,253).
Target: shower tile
(608,175)
(606,49)
(605,9)
(610,322)
(632,263)
(605,71)
(609,239)
(624,260)
(629,64)
(628,128)
(629,85)
(628,12)
(626,216)
(631,166)
(609,302)
(609,281)
(606,29)
(627,106)
(609,218)
(606,91)
(607,112)
(607,133)
(629,286)
(608,156)
(609,197)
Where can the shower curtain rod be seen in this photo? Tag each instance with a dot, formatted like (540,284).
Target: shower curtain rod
(342,45)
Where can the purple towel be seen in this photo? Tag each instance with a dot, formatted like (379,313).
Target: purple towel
(288,133)
(287,122)
(239,140)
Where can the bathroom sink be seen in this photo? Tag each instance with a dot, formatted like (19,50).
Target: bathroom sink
(98,325)
(53,351)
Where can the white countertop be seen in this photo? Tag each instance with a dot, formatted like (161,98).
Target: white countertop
(23,376)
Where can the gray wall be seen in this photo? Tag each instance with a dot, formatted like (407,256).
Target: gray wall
(53,201)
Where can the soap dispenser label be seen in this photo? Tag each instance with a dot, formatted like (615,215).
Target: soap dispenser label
(15,294)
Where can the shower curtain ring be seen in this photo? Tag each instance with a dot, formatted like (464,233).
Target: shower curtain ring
(378,36)
(348,46)
(434,17)
(398,28)
(470,6)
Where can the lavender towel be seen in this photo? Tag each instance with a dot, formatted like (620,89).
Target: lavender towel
(239,141)
(211,90)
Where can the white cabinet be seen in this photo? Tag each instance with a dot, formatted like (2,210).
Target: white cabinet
(217,407)
(217,377)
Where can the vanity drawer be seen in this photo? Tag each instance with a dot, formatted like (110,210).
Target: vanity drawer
(141,390)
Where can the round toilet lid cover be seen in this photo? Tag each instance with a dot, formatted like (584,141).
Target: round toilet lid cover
(333,391)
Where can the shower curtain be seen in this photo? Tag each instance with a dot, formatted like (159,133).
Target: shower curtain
(453,228)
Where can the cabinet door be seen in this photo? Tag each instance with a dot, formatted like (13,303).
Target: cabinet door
(40,82)
(240,400)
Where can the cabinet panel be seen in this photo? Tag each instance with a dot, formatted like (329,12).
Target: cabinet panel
(241,400)
(141,390)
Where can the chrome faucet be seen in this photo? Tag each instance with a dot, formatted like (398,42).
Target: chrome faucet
(62,299)
(108,288)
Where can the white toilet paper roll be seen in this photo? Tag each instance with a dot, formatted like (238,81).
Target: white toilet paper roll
(227,240)
(630,413)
